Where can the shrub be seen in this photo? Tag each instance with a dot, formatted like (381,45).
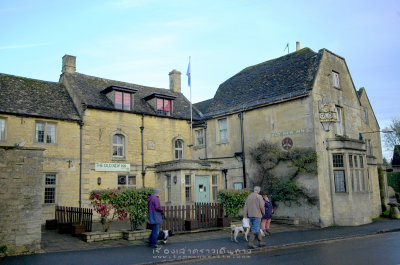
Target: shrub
(104,202)
(233,200)
(121,204)
(134,202)
(266,156)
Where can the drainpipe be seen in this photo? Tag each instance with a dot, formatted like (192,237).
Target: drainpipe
(141,133)
(330,184)
(80,161)
(205,140)
(243,155)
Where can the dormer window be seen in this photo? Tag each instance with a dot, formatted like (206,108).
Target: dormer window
(164,106)
(162,103)
(123,100)
(122,97)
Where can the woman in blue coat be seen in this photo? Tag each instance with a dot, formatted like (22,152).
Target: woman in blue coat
(269,210)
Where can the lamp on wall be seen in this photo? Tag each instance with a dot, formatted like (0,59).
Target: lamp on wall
(99,181)
(238,155)
(175,179)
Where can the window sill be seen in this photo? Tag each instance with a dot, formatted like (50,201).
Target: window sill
(226,142)
(198,147)
(118,158)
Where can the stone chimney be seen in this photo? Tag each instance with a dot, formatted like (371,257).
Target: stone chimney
(175,81)
(68,64)
(297,46)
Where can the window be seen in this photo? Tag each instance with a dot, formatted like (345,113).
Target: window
(338,173)
(45,132)
(223,130)
(118,145)
(169,188)
(339,123)
(123,100)
(178,149)
(188,188)
(214,187)
(369,148)
(124,180)
(335,80)
(366,121)
(238,185)
(199,137)
(50,189)
(2,129)
(356,165)
(163,106)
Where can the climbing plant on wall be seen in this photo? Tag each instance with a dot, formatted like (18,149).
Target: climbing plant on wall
(266,156)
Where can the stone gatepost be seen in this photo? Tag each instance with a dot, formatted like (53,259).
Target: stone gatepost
(21,173)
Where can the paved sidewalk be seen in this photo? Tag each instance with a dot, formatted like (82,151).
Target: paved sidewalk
(52,241)
(196,245)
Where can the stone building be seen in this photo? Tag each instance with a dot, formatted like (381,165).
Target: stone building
(99,133)
(303,99)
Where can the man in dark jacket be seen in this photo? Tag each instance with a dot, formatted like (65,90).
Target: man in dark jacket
(155,216)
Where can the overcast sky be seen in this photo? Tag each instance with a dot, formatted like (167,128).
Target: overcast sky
(141,41)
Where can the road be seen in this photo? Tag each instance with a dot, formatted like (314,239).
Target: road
(376,249)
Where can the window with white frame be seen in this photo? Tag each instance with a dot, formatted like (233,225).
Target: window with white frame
(356,167)
(2,129)
(45,132)
(118,146)
(335,80)
(238,185)
(199,137)
(214,182)
(126,180)
(339,173)
(50,189)
(178,149)
(188,188)
(223,130)
(339,123)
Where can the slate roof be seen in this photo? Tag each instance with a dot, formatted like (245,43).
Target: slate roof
(268,82)
(24,96)
(396,156)
(203,105)
(88,89)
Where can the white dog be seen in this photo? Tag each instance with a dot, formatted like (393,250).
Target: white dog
(244,228)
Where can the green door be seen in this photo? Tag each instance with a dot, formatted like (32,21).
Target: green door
(202,189)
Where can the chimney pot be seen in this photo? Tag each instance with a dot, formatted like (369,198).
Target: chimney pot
(68,64)
(297,45)
(175,81)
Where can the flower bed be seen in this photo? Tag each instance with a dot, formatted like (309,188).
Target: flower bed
(112,235)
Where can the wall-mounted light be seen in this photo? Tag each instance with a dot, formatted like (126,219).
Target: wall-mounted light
(99,181)
(238,155)
(175,179)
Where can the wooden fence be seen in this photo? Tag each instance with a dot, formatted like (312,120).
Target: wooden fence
(205,215)
(74,215)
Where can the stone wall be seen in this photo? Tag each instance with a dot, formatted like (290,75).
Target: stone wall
(21,196)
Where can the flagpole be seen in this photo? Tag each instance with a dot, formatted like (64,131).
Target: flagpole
(191,108)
